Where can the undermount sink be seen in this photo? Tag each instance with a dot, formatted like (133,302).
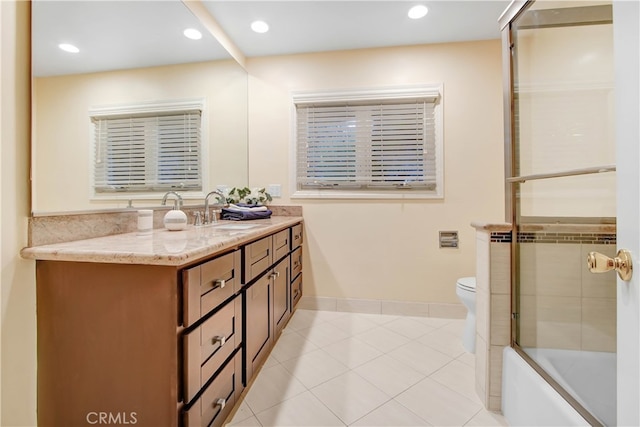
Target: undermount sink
(235,226)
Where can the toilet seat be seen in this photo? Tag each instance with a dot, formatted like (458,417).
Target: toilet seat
(467,284)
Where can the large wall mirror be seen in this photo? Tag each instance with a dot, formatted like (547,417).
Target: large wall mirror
(130,53)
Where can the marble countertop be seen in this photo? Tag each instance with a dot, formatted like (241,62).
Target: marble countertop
(161,246)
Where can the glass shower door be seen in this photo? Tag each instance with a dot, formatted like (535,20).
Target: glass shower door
(563,178)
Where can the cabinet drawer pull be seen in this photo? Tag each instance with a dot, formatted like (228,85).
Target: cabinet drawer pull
(221,403)
(219,338)
(220,283)
(275,274)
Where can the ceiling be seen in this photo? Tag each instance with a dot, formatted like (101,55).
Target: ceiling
(141,33)
(315,26)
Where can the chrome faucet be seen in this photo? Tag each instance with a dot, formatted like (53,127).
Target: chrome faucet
(178,199)
(221,201)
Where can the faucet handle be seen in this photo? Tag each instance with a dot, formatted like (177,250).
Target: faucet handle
(198,220)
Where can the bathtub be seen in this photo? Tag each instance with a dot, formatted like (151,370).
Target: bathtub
(527,399)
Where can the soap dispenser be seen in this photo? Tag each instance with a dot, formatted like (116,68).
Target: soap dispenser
(175,219)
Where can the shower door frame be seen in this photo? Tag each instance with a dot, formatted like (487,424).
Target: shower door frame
(513,12)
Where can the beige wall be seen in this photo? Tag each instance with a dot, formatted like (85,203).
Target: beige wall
(389,249)
(62,131)
(17,281)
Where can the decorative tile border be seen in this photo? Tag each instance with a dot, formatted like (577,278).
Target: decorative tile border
(584,238)
(500,237)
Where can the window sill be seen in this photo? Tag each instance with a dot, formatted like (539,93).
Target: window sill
(124,196)
(380,195)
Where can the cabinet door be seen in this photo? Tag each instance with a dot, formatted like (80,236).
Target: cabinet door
(258,323)
(281,285)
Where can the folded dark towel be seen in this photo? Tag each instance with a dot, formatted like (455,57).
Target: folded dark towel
(236,215)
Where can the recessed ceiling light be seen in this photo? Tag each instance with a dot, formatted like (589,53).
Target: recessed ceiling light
(418,11)
(259,26)
(68,48)
(192,33)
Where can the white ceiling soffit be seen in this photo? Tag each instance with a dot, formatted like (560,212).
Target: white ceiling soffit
(314,26)
(114,35)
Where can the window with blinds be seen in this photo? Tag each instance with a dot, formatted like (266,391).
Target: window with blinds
(367,143)
(148,151)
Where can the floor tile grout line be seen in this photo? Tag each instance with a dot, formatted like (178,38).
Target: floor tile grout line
(309,322)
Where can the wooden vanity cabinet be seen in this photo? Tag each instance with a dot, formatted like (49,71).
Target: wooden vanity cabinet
(107,343)
(268,299)
(296,265)
(156,345)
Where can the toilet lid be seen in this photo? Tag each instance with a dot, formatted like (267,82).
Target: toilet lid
(468,283)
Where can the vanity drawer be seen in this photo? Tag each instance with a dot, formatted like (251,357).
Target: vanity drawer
(218,399)
(258,257)
(208,285)
(210,344)
(296,262)
(281,244)
(296,291)
(296,236)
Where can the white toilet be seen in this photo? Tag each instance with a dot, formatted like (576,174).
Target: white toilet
(466,291)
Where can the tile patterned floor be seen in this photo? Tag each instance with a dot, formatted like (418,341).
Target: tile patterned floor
(353,369)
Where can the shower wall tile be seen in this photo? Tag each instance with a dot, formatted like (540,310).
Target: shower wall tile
(562,305)
(495,403)
(483,314)
(528,320)
(495,362)
(493,308)
(482,284)
(558,322)
(482,368)
(553,322)
(500,256)
(599,324)
(500,319)
(550,269)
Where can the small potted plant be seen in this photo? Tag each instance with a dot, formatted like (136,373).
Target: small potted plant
(248,196)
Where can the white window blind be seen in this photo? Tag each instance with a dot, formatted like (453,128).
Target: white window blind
(372,144)
(144,152)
